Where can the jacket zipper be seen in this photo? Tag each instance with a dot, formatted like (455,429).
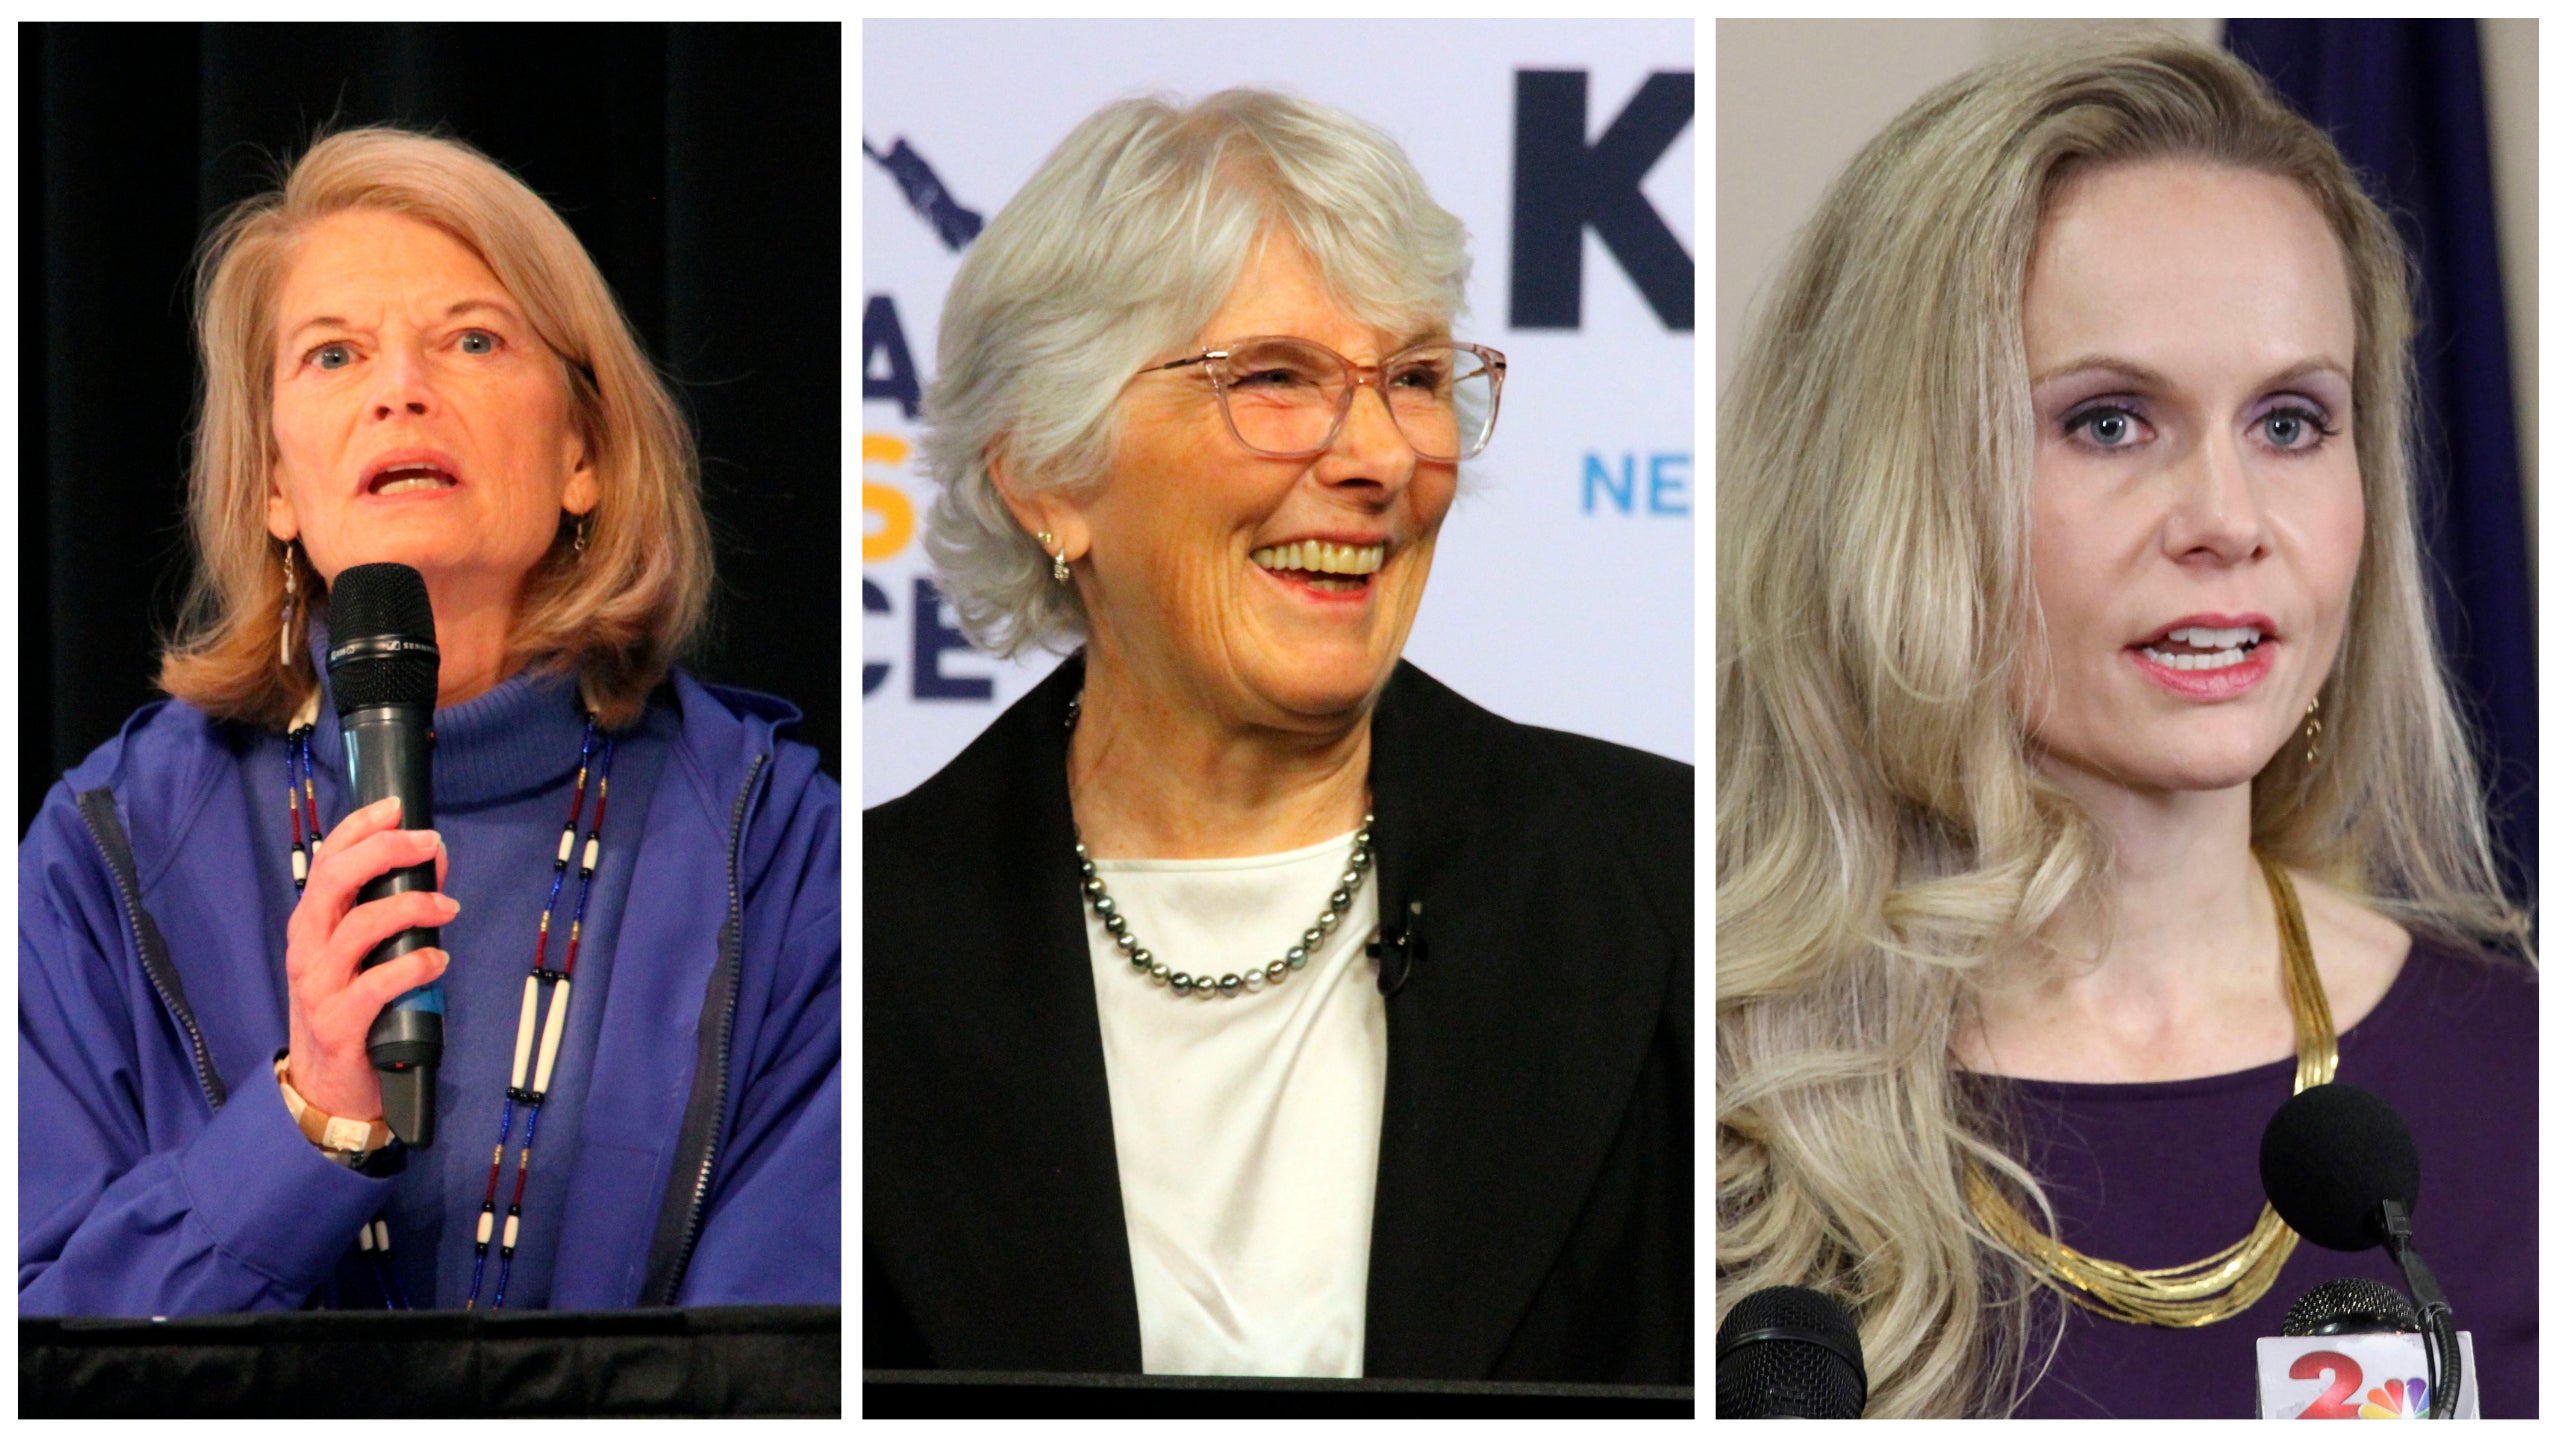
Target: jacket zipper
(97,812)
(731,941)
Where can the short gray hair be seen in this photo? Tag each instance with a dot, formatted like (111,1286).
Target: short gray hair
(1119,249)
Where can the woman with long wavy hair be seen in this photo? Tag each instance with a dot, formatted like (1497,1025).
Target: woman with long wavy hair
(2087,780)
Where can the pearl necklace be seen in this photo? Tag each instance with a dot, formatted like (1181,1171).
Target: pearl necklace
(1254,978)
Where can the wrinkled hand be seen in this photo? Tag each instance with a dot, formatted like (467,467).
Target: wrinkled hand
(331,1006)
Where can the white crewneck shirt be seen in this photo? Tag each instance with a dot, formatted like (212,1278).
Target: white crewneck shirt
(1246,1128)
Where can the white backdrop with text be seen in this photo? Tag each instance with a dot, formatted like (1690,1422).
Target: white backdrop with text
(1561,594)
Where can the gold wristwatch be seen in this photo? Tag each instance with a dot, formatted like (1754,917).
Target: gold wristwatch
(351,1143)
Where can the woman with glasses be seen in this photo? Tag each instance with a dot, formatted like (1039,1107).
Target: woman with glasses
(1244,1001)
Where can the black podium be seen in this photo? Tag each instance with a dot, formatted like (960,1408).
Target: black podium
(747,1360)
(913,1394)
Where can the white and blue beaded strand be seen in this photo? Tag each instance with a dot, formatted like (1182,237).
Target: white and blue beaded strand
(555,1019)
(306,847)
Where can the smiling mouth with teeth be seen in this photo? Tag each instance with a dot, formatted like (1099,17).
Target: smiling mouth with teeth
(2197,647)
(1339,569)
(408,478)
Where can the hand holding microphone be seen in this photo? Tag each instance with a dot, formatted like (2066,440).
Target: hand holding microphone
(362,953)
(330,1005)
(383,671)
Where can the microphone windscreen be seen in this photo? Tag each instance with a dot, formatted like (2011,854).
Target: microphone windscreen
(2331,1156)
(2352,1305)
(1789,1351)
(382,638)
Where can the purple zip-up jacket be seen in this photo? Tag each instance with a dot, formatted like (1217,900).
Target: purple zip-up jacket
(158,1173)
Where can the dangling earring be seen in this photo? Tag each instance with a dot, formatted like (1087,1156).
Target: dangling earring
(1058,561)
(284,622)
(578,539)
(2311,733)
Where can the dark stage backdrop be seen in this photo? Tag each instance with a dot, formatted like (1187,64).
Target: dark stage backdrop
(2404,101)
(699,164)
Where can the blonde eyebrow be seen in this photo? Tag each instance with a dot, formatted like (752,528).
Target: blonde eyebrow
(2145,375)
(457,308)
(2142,374)
(497,308)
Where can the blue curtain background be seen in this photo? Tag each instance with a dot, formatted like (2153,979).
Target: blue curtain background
(2404,102)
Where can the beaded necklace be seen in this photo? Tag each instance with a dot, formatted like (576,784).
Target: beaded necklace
(374,1239)
(1255,978)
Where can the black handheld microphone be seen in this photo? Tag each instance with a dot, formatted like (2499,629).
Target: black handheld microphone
(382,671)
(1789,1353)
(2340,1168)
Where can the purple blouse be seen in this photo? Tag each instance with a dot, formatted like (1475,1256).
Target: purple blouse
(2165,1174)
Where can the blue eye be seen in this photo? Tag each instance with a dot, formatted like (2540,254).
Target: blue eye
(479,342)
(2295,428)
(2106,426)
(332,356)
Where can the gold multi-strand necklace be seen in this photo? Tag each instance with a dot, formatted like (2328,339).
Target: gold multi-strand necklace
(2228,1281)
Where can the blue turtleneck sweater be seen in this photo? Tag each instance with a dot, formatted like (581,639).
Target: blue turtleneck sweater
(506,765)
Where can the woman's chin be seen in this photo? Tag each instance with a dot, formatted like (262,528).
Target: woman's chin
(1324,688)
(452,571)
(2192,774)
(418,552)
(2166,770)
(2223,766)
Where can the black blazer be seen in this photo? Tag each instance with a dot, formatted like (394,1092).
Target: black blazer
(1535,1216)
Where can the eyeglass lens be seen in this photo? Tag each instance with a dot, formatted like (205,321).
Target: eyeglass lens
(1285,397)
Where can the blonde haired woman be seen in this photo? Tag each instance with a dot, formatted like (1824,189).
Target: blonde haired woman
(409,358)
(2086,779)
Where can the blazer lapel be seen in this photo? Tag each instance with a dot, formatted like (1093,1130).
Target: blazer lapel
(1512,1046)
(1029,1048)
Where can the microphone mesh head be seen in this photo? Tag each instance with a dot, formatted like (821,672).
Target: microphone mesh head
(1805,1371)
(373,602)
(2351,1306)
(2331,1156)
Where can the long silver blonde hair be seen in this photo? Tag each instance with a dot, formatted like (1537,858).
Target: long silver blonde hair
(1882,836)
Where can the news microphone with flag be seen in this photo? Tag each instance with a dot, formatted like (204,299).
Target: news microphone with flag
(2352,1347)
(2340,1168)
(1789,1353)
(383,666)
